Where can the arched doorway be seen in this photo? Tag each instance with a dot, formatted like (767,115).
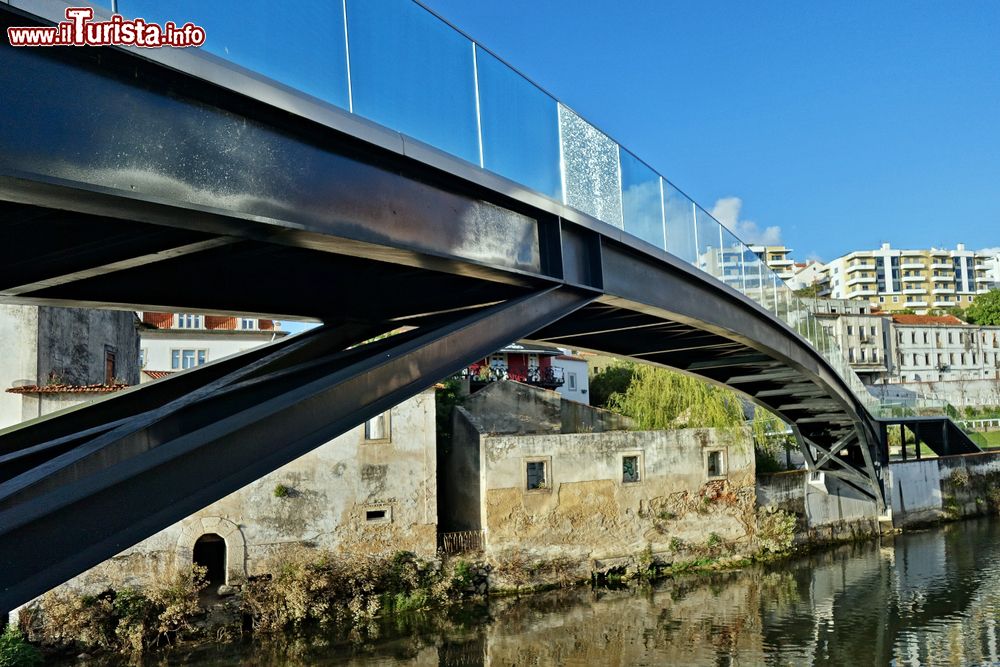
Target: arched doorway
(210,553)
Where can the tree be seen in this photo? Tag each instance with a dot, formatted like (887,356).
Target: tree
(809,291)
(954,311)
(614,379)
(985,309)
(658,398)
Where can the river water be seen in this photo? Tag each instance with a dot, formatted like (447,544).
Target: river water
(924,598)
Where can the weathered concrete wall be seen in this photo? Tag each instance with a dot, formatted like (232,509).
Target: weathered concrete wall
(459,474)
(825,511)
(580,418)
(19,361)
(945,488)
(72,343)
(515,408)
(960,393)
(329,491)
(587,511)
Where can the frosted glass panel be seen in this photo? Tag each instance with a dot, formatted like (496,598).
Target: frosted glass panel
(413,73)
(520,127)
(641,205)
(303,49)
(591,174)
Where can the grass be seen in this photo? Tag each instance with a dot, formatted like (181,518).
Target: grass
(987,440)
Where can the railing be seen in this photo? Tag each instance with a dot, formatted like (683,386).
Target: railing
(398,64)
(465,541)
(547,376)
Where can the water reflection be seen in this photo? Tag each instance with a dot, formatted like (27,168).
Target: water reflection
(930,598)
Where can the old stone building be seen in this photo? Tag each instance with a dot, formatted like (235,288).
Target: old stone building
(54,358)
(371,490)
(546,482)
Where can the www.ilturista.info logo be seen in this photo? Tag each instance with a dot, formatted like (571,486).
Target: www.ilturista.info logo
(80,30)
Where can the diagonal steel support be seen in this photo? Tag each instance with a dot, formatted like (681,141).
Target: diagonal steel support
(161,472)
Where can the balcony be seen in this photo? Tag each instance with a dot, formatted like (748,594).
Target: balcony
(945,304)
(938,264)
(943,290)
(860,267)
(915,304)
(912,279)
(864,291)
(913,265)
(914,290)
(479,376)
(855,281)
(780,262)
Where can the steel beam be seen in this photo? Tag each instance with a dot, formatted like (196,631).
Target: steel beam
(49,534)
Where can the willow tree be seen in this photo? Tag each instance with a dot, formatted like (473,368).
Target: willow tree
(658,398)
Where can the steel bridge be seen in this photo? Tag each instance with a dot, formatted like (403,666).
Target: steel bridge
(174,180)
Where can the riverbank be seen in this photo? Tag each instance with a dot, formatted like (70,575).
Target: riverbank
(930,597)
(796,514)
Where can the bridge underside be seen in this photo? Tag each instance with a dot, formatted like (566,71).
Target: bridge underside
(140,186)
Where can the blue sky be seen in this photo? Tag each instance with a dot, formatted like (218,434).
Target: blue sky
(842,124)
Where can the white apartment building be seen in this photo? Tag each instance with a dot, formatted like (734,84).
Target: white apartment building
(919,280)
(173,342)
(932,349)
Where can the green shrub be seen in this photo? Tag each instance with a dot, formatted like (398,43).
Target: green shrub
(15,651)
(281,491)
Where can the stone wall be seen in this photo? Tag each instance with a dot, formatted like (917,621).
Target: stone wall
(960,393)
(945,488)
(826,510)
(323,503)
(19,361)
(72,343)
(586,511)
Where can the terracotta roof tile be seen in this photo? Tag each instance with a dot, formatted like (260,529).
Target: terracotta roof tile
(927,319)
(156,375)
(68,388)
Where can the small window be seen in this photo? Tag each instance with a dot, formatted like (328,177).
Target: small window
(536,475)
(630,469)
(247,323)
(571,381)
(715,463)
(377,428)
(184,359)
(188,321)
(381,514)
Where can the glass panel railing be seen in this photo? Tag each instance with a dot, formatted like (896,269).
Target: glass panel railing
(642,208)
(708,234)
(412,72)
(732,261)
(267,38)
(678,214)
(591,173)
(520,129)
(401,66)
